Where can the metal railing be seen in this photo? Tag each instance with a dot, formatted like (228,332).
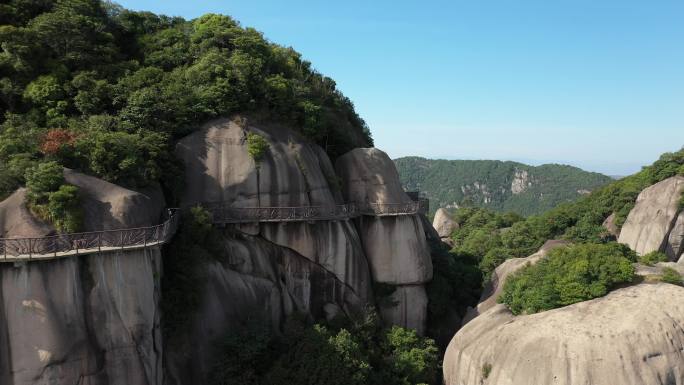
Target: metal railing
(394,209)
(225,214)
(61,245)
(55,246)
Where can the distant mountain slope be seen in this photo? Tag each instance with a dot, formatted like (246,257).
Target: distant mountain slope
(498,185)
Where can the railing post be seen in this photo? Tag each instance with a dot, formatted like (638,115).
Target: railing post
(30,247)
(99,242)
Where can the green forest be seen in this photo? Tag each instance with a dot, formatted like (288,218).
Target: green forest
(107,91)
(487,183)
(595,263)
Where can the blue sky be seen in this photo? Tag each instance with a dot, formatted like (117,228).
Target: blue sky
(596,84)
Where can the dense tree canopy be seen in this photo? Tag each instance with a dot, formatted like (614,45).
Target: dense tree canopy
(489,183)
(106,90)
(491,238)
(568,275)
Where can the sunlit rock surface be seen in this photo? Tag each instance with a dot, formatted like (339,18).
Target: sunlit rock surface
(649,224)
(632,336)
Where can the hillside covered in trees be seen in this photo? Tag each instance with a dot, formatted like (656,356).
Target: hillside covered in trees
(496,185)
(107,91)
(486,238)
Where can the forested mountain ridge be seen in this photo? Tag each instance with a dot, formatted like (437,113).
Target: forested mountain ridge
(108,91)
(498,185)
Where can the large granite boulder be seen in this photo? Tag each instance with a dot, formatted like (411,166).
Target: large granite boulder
(632,336)
(369,175)
(610,226)
(107,206)
(218,167)
(396,246)
(93,319)
(16,221)
(649,224)
(491,292)
(90,319)
(675,241)
(253,281)
(400,307)
(293,172)
(444,223)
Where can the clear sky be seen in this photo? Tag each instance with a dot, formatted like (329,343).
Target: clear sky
(594,83)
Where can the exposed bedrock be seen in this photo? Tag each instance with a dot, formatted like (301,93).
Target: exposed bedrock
(292,172)
(106,206)
(656,222)
(632,336)
(254,281)
(219,168)
(396,246)
(444,223)
(92,319)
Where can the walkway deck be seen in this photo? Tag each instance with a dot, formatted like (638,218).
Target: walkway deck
(225,214)
(64,245)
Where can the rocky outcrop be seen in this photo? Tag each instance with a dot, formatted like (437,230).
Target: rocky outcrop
(491,292)
(650,223)
(107,206)
(252,282)
(89,319)
(395,246)
(600,342)
(293,172)
(444,223)
(399,308)
(675,241)
(610,226)
(521,181)
(17,221)
(219,168)
(266,271)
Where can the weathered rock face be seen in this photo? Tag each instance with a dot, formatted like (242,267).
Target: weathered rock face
(82,320)
(600,342)
(17,221)
(220,169)
(444,223)
(107,206)
(292,172)
(396,247)
(369,175)
(521,181)
(491,292)
(609,224)
(675,241)
(255,281)
(399,307)
(649,224)
(90,319)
